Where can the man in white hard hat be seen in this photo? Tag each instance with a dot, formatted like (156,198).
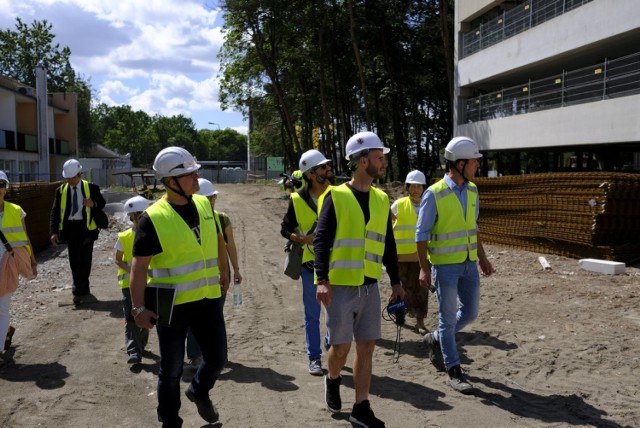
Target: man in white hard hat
(71,221)
(405,217)
(178,245)
(449,248)
(354,239)
(298,225)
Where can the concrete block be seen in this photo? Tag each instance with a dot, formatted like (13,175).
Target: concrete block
(602,266)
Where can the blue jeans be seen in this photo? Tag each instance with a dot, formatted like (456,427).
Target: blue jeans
(205,320)
(311,315)
(135,338)
(458,293)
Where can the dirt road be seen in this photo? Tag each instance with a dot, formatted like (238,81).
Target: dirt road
(550,348)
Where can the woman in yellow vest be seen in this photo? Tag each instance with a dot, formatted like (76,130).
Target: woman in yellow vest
(405,216)
(135,338)
(449,250)
(15,232)
(179,247)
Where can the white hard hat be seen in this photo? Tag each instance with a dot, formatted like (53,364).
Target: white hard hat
(172,161)
(71,168)
(3,176)
(461,148)
(206,188)
(364,141)
(310,159)
(136,204)
(416,177)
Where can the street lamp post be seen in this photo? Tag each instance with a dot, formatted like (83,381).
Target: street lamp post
(217,151)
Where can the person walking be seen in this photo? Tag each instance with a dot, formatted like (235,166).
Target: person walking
(194,357)
(449,251)
(298,225)
(135,338)
(71,221)
(178,245)
(13,230)
(354,238)
(405,217)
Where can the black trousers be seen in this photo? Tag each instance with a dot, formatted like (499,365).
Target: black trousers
(80,246)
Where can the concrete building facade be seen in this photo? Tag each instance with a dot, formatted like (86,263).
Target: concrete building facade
(558,80)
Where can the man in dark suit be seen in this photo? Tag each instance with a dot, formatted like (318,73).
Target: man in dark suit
(72,222)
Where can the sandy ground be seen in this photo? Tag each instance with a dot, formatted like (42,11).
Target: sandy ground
(550,348)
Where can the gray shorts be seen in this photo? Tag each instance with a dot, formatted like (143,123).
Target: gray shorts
(354,313)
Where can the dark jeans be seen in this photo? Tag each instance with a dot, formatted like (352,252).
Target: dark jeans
(80,247)
(206,322)
(135,338)
(193,350)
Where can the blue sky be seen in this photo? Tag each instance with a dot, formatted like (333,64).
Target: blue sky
(158,56)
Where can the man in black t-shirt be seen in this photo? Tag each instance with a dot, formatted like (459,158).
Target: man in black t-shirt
(179,246)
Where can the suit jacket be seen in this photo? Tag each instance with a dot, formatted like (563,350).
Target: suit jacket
(54,221)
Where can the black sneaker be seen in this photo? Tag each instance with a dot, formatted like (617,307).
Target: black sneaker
(205,407)
(363,416)
(434,352)
(332,393)
(458,381)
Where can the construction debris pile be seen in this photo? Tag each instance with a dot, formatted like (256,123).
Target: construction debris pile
(586,214)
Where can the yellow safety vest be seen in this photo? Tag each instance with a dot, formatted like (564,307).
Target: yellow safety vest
(184,264)
(358,247)
(305,217)
(91,225)
(126,239)
(12,226)
(404,228)
(453,237)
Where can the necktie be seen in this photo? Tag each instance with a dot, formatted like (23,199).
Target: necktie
(74,203)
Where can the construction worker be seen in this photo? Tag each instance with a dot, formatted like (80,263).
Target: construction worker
(298,226)
(180,247)
(72,222)
(354,238)
(135,338)
(405,217)
(449,250)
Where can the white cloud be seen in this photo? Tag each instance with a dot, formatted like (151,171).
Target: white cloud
(157,55)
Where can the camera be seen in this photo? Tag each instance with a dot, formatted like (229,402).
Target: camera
(397,310)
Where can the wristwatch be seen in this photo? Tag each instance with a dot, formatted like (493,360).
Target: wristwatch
(137,310)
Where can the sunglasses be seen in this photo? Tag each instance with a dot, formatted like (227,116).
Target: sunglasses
(188,174)
(3,184)
(324,166)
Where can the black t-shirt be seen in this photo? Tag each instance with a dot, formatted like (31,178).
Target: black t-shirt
(147,243)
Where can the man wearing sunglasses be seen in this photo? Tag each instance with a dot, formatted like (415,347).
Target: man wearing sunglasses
(298,225)
(179,246)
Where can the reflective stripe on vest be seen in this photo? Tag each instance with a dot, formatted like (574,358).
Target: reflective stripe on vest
(184,264)
(352,256)
(126,239)
(91,225)
(453,237)
(12,226)
(305,217)
(404,228)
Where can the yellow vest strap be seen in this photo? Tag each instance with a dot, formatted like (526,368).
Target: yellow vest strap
(184,269)
(454,249)
(348,243)
(453,235)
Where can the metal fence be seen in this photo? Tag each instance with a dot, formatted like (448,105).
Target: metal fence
(608,79)
(510,22)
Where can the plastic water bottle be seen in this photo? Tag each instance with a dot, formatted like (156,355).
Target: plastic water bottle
(237,295)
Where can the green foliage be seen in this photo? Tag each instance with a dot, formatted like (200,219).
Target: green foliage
(27,46)
(311,74)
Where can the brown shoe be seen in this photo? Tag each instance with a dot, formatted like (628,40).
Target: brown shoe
(7,341)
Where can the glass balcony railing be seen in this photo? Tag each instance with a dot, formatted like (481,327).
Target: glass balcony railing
(514,21)
(609,79)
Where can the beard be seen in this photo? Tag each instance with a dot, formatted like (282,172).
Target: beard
(375,172)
